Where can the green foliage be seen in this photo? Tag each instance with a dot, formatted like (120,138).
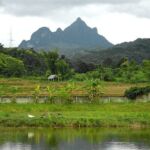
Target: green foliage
(146,69)
(36,93)
(127,71)
(63,69)
(93,74)
(1,46)
(137,50)
(51,94)
(94,89)
(82,67)
(34,62)
(102,73)
(51,58)
(14,90)
(17,62)
(135,92)
(65,92)
(10,66)
(39,63)
(108,74)
(57,65)
(80,77)
(132,72)
(48,72)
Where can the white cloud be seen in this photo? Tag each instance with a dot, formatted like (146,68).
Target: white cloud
(117,20)
(47,7)
(142,9)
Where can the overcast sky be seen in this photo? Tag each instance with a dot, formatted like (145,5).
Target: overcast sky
(117,20)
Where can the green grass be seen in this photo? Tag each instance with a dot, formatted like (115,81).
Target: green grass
(134,115)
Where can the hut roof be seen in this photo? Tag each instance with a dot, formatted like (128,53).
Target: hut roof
(51,77)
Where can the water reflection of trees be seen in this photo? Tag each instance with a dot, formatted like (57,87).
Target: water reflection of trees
(52,138)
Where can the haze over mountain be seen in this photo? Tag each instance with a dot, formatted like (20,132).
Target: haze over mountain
(77,36)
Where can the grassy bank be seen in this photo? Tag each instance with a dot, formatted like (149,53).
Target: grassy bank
(134,115)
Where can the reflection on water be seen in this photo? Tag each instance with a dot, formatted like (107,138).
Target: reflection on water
(74,139)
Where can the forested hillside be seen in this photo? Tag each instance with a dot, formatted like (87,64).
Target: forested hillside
(137,50)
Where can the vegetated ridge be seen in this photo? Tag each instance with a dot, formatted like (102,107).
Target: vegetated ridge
(137,50)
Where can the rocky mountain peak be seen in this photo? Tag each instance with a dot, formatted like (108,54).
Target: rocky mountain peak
(76,36)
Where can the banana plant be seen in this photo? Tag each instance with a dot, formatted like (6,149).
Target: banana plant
(51,94)
(94,89)
(36,93)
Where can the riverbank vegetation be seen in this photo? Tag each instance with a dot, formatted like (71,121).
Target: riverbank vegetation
(135,115)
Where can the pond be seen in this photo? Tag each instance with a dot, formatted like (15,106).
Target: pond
(74,139)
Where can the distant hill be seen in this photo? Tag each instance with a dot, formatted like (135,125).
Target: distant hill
(75,37)
(137,50)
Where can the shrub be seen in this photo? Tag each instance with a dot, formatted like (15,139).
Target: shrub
(80,77)
(135,92)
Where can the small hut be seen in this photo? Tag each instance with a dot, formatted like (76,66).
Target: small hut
(53,77)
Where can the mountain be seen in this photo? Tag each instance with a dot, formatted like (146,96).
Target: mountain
(77,36)
(137,50)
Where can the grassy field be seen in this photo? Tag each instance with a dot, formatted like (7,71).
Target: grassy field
(135,115)
(25,87)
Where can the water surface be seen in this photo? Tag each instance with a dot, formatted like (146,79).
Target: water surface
(74,139)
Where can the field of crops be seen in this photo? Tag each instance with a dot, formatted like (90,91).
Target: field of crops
(27,87)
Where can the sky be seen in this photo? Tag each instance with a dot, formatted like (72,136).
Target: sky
(117,20)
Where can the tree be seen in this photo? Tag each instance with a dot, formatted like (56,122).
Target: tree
(83,67)
(123,62)
(146,68)
(101,72)
(10,66)
(108,62)
(63,69)
(34,62)
(51,59)
(108,74)
(1,46)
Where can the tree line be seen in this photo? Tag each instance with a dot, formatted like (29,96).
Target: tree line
(16,62)
(19,62)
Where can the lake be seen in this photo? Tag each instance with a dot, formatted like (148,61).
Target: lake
(74,139)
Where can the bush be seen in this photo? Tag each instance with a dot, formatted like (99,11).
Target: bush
(135,92)
(80,77)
